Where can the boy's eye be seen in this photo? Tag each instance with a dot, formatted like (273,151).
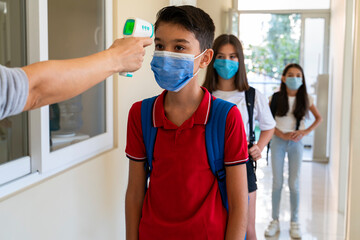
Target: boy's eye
(179,48)
(159,46)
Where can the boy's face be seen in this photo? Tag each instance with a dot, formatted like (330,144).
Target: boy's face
(175,38)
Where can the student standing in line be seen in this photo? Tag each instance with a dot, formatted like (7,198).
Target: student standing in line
(226,79)
(289,106)
(183,199)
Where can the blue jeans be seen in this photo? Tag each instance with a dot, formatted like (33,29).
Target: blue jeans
(295,154)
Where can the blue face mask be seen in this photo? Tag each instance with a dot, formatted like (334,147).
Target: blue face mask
(293,82)
(173,70)
(226,68)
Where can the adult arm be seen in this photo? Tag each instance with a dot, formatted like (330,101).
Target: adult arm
(134,199)
(57,80)
(237,191)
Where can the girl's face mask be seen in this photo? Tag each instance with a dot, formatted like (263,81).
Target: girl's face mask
(172,70)
(293,82)
(226,68)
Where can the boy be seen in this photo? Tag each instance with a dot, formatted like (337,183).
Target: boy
(183,199)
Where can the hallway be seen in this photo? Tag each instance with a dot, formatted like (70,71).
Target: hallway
(319,218)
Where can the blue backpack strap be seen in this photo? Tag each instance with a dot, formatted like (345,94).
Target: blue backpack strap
(215,143)
(149,132)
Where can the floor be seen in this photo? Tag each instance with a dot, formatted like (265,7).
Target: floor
(319,218)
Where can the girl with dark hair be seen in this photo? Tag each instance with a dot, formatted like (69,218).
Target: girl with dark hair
(289,106)
(226,79)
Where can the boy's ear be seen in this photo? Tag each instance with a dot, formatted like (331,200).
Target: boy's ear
(206,59)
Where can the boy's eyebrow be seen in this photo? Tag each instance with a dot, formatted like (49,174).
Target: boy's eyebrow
(181,40)
(175,40)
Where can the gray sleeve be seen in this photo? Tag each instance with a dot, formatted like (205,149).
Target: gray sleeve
(14,90)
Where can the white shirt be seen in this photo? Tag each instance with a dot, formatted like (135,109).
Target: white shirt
(287,123)
(261,113)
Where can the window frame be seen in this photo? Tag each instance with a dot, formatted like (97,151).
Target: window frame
(326,16)
(41,162)
(292,9)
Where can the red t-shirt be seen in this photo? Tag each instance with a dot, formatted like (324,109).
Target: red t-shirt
(183,199)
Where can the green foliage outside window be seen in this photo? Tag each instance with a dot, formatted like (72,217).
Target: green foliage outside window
(281,46)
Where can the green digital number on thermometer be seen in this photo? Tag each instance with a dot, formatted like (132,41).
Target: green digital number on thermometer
(129,27)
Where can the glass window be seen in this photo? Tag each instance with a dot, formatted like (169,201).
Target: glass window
(13,130)
(314,42)
(282,4)
(76,29)
(62,29)
(270,42)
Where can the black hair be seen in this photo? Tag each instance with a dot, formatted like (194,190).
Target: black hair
(211,78)
(192,19)
(301,101)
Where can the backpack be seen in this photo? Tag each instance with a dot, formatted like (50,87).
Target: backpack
(214,138)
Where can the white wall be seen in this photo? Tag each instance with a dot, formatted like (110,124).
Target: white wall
(216,10)
(336,58)
(76,204)
(345,132)
(87,201)
(353,230)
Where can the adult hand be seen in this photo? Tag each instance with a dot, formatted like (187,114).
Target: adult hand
(255,152)
(128,53)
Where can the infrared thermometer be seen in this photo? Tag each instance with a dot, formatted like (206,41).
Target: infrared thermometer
(136,27)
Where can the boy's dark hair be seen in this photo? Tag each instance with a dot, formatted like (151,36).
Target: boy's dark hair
(212,77)
(192,19)
(301,100)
